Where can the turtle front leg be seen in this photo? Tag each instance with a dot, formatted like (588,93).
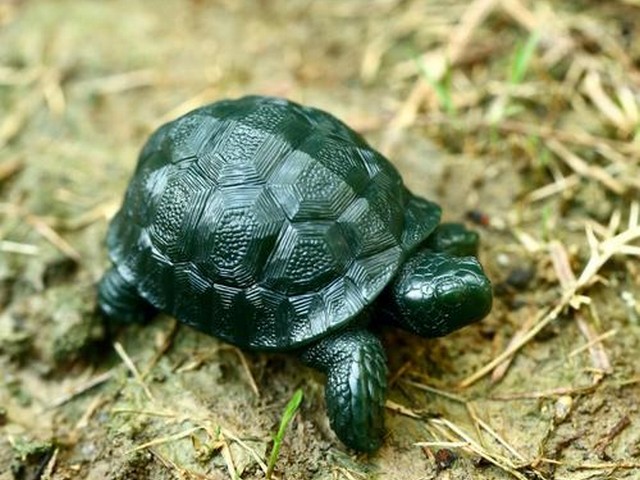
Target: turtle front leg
(355,393)
(454,239)
(120,301)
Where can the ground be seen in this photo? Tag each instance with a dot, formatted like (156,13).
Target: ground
(520,117)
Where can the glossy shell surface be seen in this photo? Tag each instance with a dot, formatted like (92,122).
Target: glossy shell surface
(264,223)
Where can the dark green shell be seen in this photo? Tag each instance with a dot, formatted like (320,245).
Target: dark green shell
(264,223)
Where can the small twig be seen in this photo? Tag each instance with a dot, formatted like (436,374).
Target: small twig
(245,365)
(228,458)
(103,211)
(500,371)
(593,341)
(96,403)
(80,389)
(561,264)
(521,14)
(494,434)
(53,237)
(120,82)
(393,379)
(541,322)
(442,393)
(348,474)
(167,439)
(401,409)
(132,368)
(151,413)
(499,461)
(554,392)
(470,20)
(559,186)
(18,77)
(605,441)
(169,464)
(606,466)
(530,244)
(164,348)
(584,169)
(8,246)
(602,252)
(47,474)
(593,88)
(599,357)
(442,444)
(227,433)
(406,114)
(372,57)
(180,472)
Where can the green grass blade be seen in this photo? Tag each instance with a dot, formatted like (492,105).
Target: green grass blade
(287,416)
(441,87)
(522,58)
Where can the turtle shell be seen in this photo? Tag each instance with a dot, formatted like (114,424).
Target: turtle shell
(264,223)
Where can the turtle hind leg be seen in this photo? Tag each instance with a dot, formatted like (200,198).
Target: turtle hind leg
(355,365)
(119,301)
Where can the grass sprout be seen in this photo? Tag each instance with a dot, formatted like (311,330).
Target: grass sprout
(441,86)
(289,412)
(522,58)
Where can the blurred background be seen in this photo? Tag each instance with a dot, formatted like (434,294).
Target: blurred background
(521,117)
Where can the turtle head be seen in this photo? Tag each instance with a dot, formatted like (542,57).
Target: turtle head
(435,293)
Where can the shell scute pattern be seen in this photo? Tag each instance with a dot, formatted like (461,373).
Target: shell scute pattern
(322,194)
(366,231)
(170,214)
(241,243)
(265,223)
(153,270)
(344,160)
(188,137)
(312,253)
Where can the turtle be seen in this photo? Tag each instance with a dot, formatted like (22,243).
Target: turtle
(274,226)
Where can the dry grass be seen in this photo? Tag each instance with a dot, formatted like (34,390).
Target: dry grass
(574,103)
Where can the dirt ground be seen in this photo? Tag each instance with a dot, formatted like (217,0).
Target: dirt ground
(520,117)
